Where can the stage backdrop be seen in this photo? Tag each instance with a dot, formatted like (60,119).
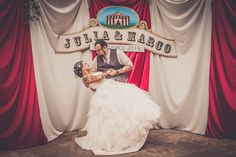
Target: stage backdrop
(40,97)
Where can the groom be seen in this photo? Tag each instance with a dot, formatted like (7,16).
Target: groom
(115,63)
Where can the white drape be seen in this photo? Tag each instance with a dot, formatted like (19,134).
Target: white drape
(63,99)
(180,85)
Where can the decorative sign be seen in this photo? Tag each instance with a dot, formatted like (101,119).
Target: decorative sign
(120,26)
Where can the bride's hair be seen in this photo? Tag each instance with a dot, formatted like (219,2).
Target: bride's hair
(78,68)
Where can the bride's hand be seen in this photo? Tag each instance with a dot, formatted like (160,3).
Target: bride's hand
(112,72)
(104,75)
(85,83)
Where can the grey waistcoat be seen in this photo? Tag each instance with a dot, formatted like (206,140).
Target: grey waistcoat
(113,64)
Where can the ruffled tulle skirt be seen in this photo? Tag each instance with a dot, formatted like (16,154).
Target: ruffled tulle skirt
(119,119)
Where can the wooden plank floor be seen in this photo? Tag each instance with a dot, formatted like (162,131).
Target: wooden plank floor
(160,143)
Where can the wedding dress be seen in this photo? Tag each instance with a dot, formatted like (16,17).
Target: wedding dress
(119,118)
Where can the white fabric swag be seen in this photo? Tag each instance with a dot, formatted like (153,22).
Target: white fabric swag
(180,85)
(63,99)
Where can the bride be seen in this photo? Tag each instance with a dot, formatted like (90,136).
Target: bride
(120,114)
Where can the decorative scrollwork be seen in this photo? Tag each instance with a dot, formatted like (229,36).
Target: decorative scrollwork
(31,10)
(93,22)
(143,25)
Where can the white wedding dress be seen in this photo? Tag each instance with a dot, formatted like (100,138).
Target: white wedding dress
(119,119)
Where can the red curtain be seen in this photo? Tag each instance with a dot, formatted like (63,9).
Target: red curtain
(222,106)
(20,124)
(140,73)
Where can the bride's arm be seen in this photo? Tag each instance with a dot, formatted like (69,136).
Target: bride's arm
(91,78)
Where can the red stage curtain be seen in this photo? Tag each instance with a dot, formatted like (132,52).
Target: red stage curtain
(20,124)
(222,106)
(140,73)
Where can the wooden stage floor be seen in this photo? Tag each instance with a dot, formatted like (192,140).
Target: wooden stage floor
(160,143)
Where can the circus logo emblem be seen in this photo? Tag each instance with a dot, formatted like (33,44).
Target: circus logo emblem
(117,17)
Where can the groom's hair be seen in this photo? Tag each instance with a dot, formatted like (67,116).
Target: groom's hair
(78,68)
(101,42)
